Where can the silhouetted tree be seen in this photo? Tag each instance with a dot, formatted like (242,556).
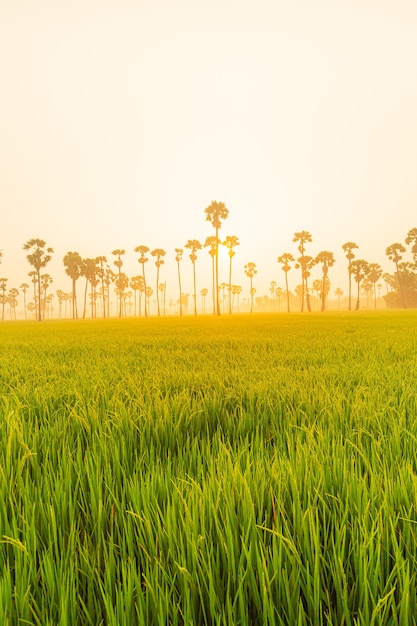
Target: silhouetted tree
(303,237)
(24,287)
(39,256)
(215,213)
(3,287)
(374,274)
(250,271)
(347,248)
(178,258)
(231,242)
(285,260)
(213,243)
(73,263)
(194,245)
(360,270)
(142,250)
(394,253)
(159,253)
(326,259)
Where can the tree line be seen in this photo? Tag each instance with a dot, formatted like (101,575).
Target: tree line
(99,276)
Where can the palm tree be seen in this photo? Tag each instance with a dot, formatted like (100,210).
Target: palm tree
(46,280)
(178,258)
(89,269)
(347,248)
(303,237)
(39,256)
(118,263)
(215,213)
(250,271)
(339,293)
(159,253)
(24,287)
(203,293)
(73,263)
(163,289)
(394,253)
(142,250)
(285,260)
(135,284)
(194,245)
(375,273)
(3,287)
(412,238)
(327,260)
(101,260)
(360,270)
(231,242)
(272,288)
(12,298)
(236,291)
(213,242)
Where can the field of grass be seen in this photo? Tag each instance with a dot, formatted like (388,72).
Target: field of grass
(253,470)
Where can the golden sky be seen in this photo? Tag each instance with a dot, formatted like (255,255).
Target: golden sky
(120,121)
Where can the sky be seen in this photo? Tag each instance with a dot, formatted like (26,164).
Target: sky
(121,121)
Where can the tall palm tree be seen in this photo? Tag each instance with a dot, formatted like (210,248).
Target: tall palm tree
(326,259)
(3,287)
(215,213)
(135,284)
(101,260)
(360,270)
(394,253)
(159,253)
(89,270)
(412,238)
(285,260)
(73,263)
(339,293)
(250,271)
(142,250)
(39,256)
(163,289)
(178,258)
(118,263)
(375,273)
(213,243)
(194,245)
(46,280)
(303,237)
(231,242)
(347,248)
(24,287)
(203,293)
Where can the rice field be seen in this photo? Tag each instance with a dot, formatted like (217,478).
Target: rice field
(252,470)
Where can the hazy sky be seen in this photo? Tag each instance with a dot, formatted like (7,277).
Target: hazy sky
(120,121)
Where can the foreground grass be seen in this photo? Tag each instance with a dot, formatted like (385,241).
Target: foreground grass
(253,470)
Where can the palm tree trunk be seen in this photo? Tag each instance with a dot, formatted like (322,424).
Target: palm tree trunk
(157,291)
(288,294)
(179,284)
(195,291)
(144,283)
(217,272)
(214,284)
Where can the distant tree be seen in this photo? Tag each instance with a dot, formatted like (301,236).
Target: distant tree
(163,289)
(46,280)
(317,286)
(278,295)
(178,258)
(374,274)
(339,293)
(250,271)
(394,253)
(194,245)
(135,285)
(158,253)
(285,260)
(24,287)
(73,263)
(101,260)
(412,238)
(272,290)
(231,242)
(304,263)
(347,248)
(143,250)
(213,243)
(3,287)
(119,263)
(89,270)
(39,256)
(326,260)
(203,294)
(360,270)
(215,213)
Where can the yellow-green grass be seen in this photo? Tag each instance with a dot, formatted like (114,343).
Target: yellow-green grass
(241,470)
